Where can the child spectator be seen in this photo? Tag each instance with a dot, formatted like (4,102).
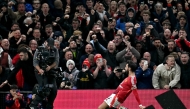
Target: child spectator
(15,100)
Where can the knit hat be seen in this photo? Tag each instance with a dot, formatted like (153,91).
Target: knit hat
(86,62)
(70,62)
(97,56)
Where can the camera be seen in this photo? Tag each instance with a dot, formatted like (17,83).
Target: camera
(142,3)
(119,70)
(84,66)
(110,20)
(43,91)
(75,37)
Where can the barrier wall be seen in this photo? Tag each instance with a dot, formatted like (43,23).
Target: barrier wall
(91,99)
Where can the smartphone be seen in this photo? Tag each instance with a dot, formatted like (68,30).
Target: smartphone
(142,3)
(75,37)
(100,60)
(119,70)
(110,20)
(84,66)
(145,62)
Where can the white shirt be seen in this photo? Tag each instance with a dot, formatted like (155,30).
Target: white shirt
(11,66)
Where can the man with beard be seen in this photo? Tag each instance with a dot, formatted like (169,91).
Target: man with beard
(48,31)
(165,36)
(109,54)
(26,64)
(46,59)
(171,47)
(157,51)
(129,53)
(185,70)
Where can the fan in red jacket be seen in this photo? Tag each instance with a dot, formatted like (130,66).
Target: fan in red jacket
(182,42)
(19,76)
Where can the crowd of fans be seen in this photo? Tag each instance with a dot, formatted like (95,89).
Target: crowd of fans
(96,38)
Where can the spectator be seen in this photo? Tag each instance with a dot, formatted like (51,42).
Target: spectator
(109,54)
(85,77)
(182,41)
(45,16)
(167,76)
(112,8)
(157,51)
(115,78)
(16,40)
(71,73)
(146,20)
(15,100)
(33,46)
(36,6)
(171,47)
(185,70)
(5,20)
(67,55)
(4,73)
(37,36)
(118,40)
(26,64)
(5,58)
(129,53)
(151,64)
(144,75)
(88,50)
(15,16)
(100,72)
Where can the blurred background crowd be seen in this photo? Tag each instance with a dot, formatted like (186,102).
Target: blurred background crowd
(95,39)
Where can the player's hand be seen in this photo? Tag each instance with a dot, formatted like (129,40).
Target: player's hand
(142,107)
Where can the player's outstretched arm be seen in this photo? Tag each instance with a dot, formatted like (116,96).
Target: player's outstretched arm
(137,98)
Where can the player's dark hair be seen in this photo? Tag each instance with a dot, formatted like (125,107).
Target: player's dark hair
(132,65)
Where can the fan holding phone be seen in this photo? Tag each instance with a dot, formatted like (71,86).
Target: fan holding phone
(144,75)
(85,77)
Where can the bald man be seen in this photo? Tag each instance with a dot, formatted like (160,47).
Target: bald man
(151,65)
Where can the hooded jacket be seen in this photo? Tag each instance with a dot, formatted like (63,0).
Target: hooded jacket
(121,21)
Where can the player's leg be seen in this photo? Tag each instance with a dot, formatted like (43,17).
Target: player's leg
(104,105)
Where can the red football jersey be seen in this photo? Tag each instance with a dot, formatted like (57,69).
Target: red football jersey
(125,88)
